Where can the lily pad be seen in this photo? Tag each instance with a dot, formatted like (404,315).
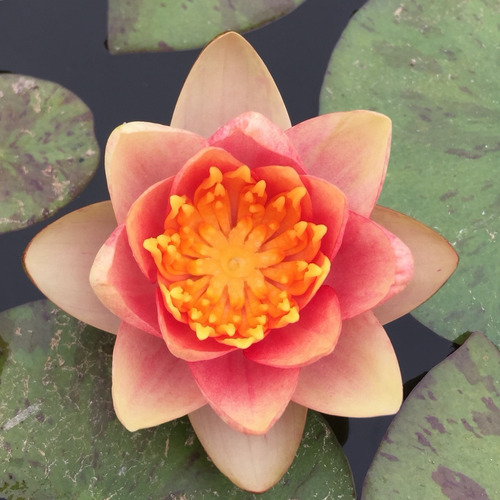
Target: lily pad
(445,441)
(433,68)
(158,25)
(48,151)
(59,437)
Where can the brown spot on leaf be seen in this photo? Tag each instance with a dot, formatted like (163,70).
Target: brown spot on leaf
(389,457)
(470,370)
(458,486)
(488,421)
(425,442)
(463,153)
(448,194)
(469,428)
(435,424)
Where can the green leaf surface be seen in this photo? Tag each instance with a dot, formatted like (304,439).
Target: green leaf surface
(59,437)
(445,441)
(48,151)
(158,25)
(434,68)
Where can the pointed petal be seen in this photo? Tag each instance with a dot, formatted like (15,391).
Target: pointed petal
(139,154)
(248,396)
(350,150)
(146,219)
(182,341)
(361,378)
(434,262)
(253,463)
(256,142)
(298,344)
(150,386)
(329,207)
(363,270)
(228,79)
(59,258)
(121,287)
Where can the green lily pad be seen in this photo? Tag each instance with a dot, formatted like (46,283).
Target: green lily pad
(433,68)
(48,151)
(445,441)
(158,25)
(59,437)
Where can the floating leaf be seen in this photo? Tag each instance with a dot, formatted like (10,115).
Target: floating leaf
(445,441)
(48,152)
(59,437)
(158,25)
(433,68)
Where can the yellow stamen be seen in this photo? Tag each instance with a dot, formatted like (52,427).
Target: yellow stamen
(233,265)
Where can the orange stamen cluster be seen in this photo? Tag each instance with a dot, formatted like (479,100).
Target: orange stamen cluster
(233,264)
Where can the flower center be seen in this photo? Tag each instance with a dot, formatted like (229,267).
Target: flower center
(232,264)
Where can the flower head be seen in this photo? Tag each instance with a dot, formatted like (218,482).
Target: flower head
(244,266)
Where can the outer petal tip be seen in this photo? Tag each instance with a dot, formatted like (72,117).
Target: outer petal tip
(361,378)
(150,386)
(228,79)
(253,463)
(59,258)
(434,258)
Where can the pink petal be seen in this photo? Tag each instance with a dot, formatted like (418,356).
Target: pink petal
(364,268)
(281,179)
(298,344)
(139,154)
(434,262)
(253,463)
(256,142)
(404,265)
(329,207)
(182,341)
(59,258)
(150,386)
(146,219)
(120,285)
(228,79)
(361,378)
(198,167)
(248,396)
(350,150)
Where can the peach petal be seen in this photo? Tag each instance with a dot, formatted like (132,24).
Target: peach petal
(228,79)
(146,219)
(182,341)
(364,268)
(140,154)
(59,258)
(121,287)
(256,142)
(349,150)
(435,260)
(248,396)
(253,463)
(361,378)
(329,207)
(150,386)
(299,344)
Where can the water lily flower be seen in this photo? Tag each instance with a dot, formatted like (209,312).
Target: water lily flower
(244,266)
